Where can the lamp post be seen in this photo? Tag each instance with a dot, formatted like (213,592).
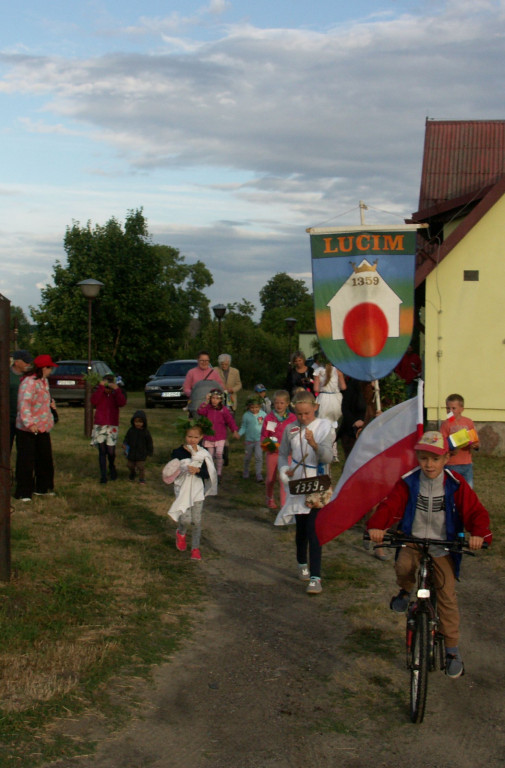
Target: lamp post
(90,289)
(219,312)
(290,324)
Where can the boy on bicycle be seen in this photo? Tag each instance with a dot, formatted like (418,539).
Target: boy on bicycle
(432,502)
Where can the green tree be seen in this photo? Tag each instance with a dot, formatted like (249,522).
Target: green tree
(282,291)
(144,308)
(274,321)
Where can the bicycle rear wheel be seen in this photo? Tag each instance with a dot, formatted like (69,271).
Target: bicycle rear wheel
(420,665)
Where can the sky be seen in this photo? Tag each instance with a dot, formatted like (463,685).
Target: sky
(234,125)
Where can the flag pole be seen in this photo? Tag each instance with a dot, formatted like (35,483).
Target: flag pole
(420,407)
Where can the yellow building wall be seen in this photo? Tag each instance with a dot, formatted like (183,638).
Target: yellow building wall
(465,324)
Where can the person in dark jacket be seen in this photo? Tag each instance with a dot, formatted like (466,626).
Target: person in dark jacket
(138,445)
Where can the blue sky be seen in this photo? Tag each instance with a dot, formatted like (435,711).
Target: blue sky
(234,125)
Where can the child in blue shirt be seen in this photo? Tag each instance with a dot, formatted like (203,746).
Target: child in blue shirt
(250,428)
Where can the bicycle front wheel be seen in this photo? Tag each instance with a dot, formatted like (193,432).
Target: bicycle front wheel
(420,665)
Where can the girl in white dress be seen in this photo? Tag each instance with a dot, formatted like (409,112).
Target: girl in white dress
(308,443)
(329,383)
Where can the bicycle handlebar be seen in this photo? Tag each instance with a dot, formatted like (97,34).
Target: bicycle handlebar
(394,539)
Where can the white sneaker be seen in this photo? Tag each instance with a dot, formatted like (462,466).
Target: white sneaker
(314,587)
(303,572)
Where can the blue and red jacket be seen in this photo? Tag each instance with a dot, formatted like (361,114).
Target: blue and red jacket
(463,510)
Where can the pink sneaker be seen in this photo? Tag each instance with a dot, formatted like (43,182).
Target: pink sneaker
(271,504)
(195,554)
(180,541)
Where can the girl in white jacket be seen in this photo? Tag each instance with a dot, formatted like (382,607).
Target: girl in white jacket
(192,471)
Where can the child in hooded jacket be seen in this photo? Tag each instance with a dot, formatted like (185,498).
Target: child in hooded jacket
(138,445)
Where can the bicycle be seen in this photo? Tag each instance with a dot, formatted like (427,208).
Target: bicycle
(425,648)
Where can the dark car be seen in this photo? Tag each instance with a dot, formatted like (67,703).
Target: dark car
(67,381)
(165,387)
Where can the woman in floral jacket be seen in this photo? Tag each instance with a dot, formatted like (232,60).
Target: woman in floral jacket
(34,421)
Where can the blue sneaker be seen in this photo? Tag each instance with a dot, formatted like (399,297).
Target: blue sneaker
(454,666)
(400,603)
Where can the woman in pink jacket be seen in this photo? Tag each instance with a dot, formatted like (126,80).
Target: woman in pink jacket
(34,421)
(107,398)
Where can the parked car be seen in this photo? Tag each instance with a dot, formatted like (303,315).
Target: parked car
(67,381)
(165,386)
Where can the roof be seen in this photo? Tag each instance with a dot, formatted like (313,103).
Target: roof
(461,157)
(463,170)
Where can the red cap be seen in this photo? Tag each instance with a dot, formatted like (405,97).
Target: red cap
(433,442)
(44,361)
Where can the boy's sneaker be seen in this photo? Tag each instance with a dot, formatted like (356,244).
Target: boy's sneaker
(454,666)
(303,572)
(131,476)
(180,541)
(259,479)
(400,603)
(195,554)
(314,587)
(271,504)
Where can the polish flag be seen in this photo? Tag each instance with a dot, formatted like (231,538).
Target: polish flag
(382,454)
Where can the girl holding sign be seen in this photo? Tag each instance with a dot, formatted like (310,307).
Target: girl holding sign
(308,442)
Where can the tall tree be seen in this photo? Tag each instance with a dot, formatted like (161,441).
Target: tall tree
(283,297)
(282,291)
(143,310)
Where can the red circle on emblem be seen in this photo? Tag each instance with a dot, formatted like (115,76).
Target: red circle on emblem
(366,329)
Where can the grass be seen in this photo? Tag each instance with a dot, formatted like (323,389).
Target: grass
(98,594)
(95,593)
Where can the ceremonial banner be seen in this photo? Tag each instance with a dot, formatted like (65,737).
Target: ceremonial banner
(363,280)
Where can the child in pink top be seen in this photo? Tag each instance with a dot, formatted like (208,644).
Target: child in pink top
(271,435)
(460,460)
(222,420)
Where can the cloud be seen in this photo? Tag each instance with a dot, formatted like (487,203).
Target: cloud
(273,129)
(281,102)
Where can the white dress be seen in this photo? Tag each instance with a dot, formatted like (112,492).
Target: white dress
(329,398)
(190,488)
(307,467)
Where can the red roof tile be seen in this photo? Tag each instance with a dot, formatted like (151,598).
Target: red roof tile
(461,157)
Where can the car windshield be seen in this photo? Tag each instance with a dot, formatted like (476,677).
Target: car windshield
(176,369)
(70,369)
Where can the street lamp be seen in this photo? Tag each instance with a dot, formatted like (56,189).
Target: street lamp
(90,289)
(219,312)
(290,324)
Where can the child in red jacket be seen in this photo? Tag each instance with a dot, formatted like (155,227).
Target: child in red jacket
(432,502)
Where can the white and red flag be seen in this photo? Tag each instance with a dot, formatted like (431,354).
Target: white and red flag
(381,455)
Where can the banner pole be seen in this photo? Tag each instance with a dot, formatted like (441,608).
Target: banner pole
(377,390)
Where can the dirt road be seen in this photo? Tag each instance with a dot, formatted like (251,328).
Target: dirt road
(273,677)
